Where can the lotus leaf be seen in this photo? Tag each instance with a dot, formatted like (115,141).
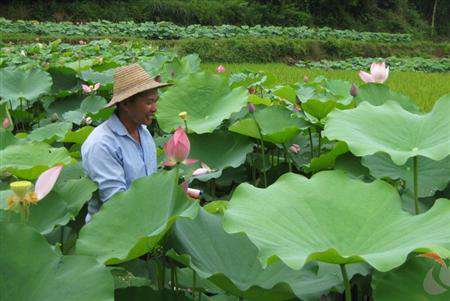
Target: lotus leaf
(388,128)
(207,99)
(17,84)
(277,125)
(433,175)
(378,94)
(335,219)
(33,270)
(51,132)
(417,280)
(153,203)
(230,262)
(220,149)
(29,160)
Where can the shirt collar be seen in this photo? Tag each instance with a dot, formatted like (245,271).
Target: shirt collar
(117,126)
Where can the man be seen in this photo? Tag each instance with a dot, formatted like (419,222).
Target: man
(121,149)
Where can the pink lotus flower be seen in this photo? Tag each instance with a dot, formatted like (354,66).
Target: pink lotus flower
(81,42)
(23,193)
(220,69)
(378,73)
(177,149)
(295,148)
(91,88)
(203,170)
(6,123)
(191,192)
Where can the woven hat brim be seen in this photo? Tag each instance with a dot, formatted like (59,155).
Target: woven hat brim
(135,90)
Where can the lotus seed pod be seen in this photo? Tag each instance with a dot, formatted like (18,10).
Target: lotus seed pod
(183,115)
(252,90)
(21,188)
(354,90)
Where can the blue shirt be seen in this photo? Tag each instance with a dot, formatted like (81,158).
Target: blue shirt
(113,159)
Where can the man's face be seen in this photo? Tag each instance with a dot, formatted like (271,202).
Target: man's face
(142,110)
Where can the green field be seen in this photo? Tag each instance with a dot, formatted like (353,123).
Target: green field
(424,88)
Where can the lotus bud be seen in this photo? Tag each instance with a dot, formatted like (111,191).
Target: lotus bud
(305,78)
(87,120)
(55,117)
(177,149)
(23,53)
(220,69)
(21,188)
(6,123)
(251,107)
(183,115)
(354,90)
(295,148)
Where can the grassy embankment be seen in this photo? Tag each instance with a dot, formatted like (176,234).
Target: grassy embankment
(423,88)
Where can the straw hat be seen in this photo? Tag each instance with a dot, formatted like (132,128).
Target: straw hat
(130,80)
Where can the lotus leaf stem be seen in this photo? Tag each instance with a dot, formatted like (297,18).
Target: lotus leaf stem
(286,155)
(348,289)
(319,133)
(310,143)
(416,185)
(194,283)
(262,151)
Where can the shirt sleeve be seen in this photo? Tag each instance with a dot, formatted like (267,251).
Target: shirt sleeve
(104,167)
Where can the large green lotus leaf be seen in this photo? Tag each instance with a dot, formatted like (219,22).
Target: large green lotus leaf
(132,222)
(52,131)
(29,160)
(92,104)
(339,87)
(388,128)
(433,175)
(277,124)
(378,94)
(328,159)
(62,204)
(206,98)
(78,136)
(146,293)
(220,149)
(33,270)
(418,279)
(212,253)
(64,80)
(104,78)
(30,84)
(6,139)
(335,219)
(66,104)
(320,107)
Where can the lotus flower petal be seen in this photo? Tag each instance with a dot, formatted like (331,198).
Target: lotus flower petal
(96,86)
(200,171)
(220,69)
(6,123)
(194,193)
(86,88)
(46,181)
(365,77)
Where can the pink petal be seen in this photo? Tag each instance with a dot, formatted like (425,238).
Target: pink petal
(200,171)
(169,163)
(182,145)
(203,165)
(220,69)
(86,88)
(365,77)
(194,193)
(189,161)
(6,123)
(46,181)
(185,185)
(377,67)
(96,86)
(378,71)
